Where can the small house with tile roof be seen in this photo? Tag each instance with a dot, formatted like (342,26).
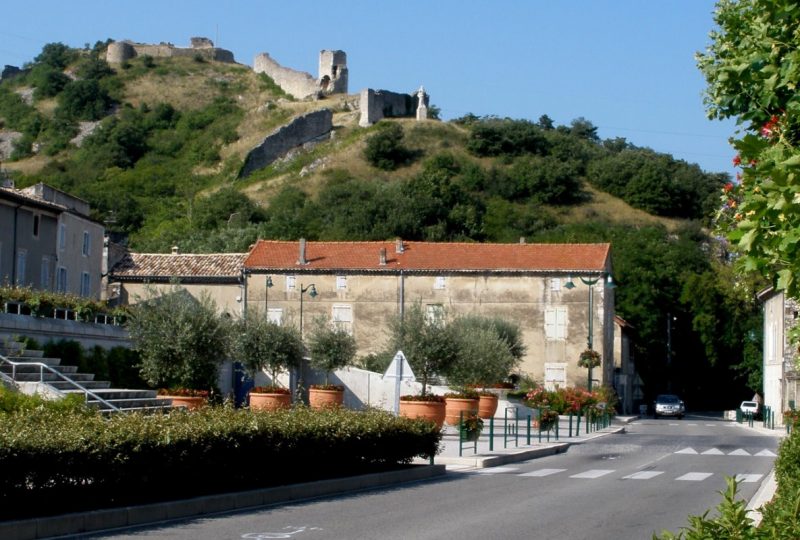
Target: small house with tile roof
(360,286)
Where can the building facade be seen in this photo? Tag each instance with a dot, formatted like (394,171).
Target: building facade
(781,378)
(360,286)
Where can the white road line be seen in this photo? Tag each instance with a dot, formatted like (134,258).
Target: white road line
(739,452)
(497,470)
(691,425)
(687,451)
(593,473)
(694,476)
(643,475)
(748,478)
(711,425)
(543,472)
(765,453)
(713,452)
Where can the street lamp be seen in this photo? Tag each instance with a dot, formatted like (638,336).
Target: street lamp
(312,292)
(267,287)
(609,284)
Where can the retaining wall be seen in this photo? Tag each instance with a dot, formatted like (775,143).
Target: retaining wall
(44,330)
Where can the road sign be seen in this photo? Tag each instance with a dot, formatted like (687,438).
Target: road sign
(399,370)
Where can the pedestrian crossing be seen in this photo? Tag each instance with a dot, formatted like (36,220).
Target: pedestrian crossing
(717,452)
(593,474)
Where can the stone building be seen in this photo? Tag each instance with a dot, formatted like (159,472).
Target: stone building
(781,377)
(301,85)
(121,51)
(49,242)
(361,285)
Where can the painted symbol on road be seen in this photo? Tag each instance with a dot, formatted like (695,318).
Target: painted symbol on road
(288,532)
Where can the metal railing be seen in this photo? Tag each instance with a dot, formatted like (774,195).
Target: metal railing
(42,367)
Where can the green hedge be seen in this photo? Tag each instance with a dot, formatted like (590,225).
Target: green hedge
(58,461)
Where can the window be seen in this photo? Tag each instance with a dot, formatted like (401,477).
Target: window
(555,284)
(555,374)
(341,283)
(290,280)
(275,315)
(439,283)
(36,225)
(86,243)
(434,312)
(343,317)
(45,276)
(555,323)
(62,236)
(86,284)
(21,256)
(61,279)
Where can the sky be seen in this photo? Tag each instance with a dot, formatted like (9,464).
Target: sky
(625,65)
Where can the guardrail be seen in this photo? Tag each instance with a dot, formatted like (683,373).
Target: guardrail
(42,367)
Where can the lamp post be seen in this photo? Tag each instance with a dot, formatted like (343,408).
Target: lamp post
(609,284)
(267,287)
(312,292)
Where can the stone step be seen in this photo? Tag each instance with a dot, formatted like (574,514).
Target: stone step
(19,352)
(133,404)
(27,368)
(110,394)
(40,359)
(90,385)
(48,377)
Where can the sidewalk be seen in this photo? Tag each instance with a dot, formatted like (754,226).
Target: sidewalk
(513,449)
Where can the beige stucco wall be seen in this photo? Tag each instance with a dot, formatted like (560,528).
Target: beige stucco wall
(376,298)
(224,295)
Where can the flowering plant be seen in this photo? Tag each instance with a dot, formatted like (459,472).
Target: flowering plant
(472,423)
(269,390)
(426,397)
(547,419)
(182,392)
(589,359)
(791,416)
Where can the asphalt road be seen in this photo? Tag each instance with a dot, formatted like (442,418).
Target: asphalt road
(623,486)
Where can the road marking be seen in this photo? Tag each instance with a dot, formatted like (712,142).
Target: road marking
(748,478)
(687,451)
(691,424)
(765,453)
(674,424)
(643,475)
(711,425)
(543,472)
(497,470)
(694,476)
(713,452)
(593,473)
(739,452)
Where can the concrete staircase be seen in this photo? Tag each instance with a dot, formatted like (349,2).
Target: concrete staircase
(31,377)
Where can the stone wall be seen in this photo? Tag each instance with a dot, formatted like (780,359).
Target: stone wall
(304,129)
(120,51)
(301,85)
(45,330)
(378,104)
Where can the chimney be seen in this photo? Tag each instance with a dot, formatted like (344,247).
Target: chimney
(383,257)
(398,248)
(302,258)
(174,250)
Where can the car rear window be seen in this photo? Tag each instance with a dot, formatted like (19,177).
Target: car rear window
(749,404)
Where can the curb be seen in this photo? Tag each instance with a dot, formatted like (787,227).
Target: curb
(148,514)
(764,494)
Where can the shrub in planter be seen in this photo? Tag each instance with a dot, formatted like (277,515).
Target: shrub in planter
(330,348)
(484,356)
(261,345)
(429,407)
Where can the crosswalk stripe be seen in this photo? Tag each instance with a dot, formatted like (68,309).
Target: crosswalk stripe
(543,472)
(643,475)
(694,476)
(497,470)
(687,451)
(739,452)
(748,478)
(593,473)
(766,453)
(691,424)
(711,425)
(713,452)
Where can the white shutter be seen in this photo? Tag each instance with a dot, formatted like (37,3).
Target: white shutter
(561,323)
(275,315)
(555,374)
(342,315)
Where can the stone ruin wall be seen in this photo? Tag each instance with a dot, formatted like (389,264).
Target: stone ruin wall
(301,85)
(378,104)
(120,51)
(311,127)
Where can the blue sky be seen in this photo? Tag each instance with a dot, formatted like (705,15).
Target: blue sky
(626,65)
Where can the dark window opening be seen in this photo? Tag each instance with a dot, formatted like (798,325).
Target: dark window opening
(35,225)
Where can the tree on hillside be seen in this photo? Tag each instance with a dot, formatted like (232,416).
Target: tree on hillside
(753,70)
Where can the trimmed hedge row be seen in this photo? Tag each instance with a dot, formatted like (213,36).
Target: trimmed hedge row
(66,460)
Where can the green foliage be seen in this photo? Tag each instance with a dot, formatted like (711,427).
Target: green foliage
(385,149)
(495,137)
(224,207)
(13,401)
(484,353)
(182,340)
(183,454)
(56,56)
(753,68)
(48,81)
(330,347)
(118,364)
(260,345)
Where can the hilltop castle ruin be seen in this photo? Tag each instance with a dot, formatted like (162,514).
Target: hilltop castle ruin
(120,51)
(301,85)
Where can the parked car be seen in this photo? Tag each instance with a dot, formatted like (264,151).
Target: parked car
(669,405)
(750,407)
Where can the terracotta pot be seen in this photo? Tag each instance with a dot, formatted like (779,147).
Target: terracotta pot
(191,403)
(456,405)
(269,401)
(429,410)
(325,399)
(487,406)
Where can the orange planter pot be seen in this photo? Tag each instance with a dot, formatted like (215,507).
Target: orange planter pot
(456,405)
(325,399)
(429,410)
(269,401)
(187,402)
(487,406)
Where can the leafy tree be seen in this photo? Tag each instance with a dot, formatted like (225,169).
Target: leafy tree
(223,207)
(546,179)
(181,339)
(487,350)
(385,149)
(56,55)
(494,137)
(752,68)
(330,347)
(48,82)
(260,345)
(84,100)
(583,129)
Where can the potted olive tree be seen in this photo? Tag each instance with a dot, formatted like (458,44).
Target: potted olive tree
(261,345)
(430,349)
(182,342)
(329,348)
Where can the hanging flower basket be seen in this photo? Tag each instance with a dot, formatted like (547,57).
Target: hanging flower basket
(589,359)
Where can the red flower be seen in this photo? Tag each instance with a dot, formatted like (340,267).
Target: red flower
(768,129)
(737,161)
(728,187)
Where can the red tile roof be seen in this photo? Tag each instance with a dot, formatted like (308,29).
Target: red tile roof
(161,265)
(430,256)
